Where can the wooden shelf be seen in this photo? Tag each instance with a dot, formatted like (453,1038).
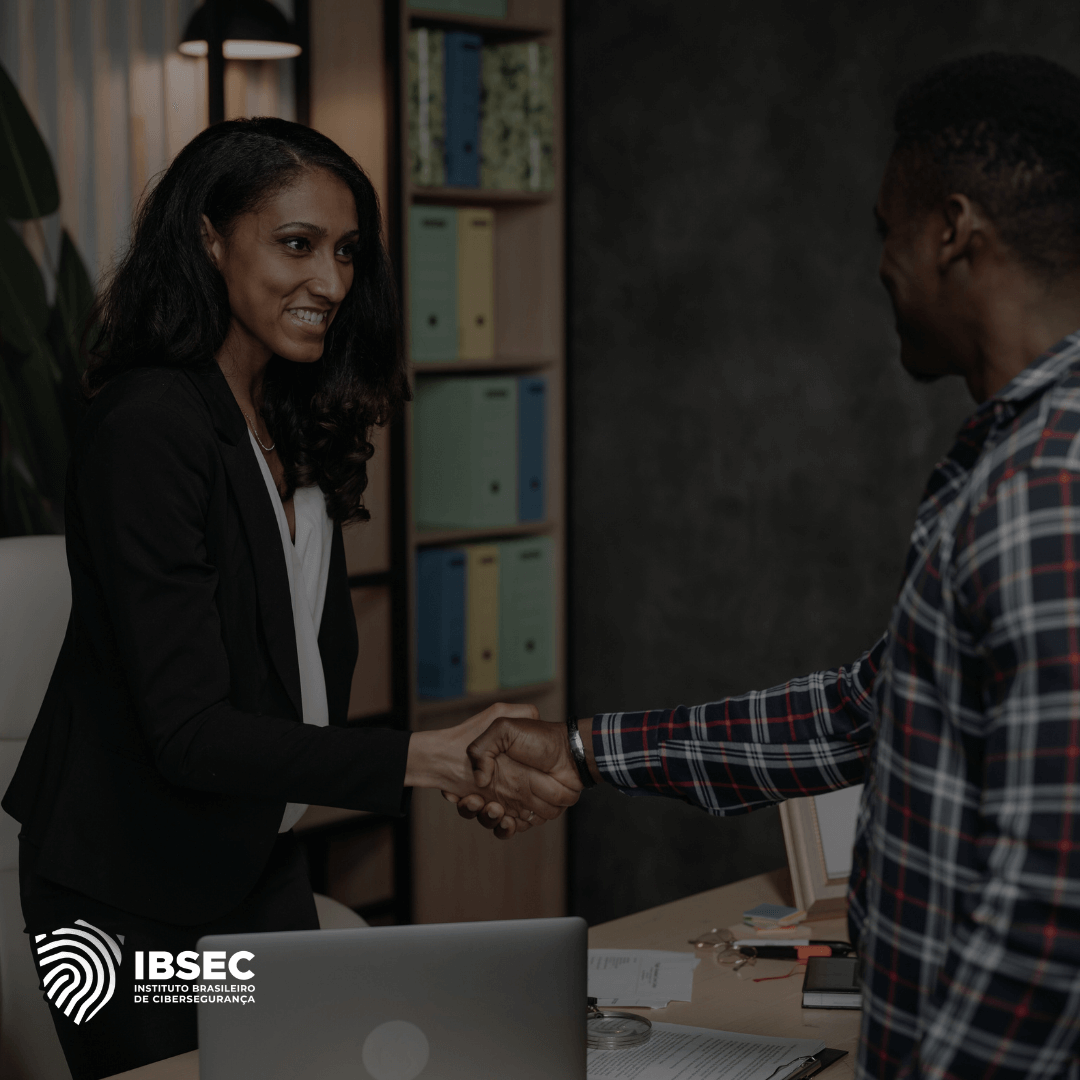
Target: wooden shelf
(481,699)
(437,537)
(444,870)
(458,873)
(491,28)
(480,367)
(479,196)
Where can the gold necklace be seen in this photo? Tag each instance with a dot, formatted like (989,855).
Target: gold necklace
(255,432)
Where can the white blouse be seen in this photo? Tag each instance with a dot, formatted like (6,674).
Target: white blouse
(308,563)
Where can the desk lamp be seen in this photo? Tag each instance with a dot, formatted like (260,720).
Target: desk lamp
(224,30)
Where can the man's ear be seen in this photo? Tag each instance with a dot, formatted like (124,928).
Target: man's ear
(964,233)
(212,241)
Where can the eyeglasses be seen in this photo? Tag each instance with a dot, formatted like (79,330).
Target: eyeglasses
(720,943)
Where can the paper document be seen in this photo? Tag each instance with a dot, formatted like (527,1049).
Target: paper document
(674,1052)
(647,978)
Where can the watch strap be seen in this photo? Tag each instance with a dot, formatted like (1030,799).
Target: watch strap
(577,751)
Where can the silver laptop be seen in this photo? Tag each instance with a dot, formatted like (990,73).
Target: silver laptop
(457,1001)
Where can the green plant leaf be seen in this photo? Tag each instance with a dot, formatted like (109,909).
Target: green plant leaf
(24,511)
(28,186)
(39,383)
(74,300)
(24,312)
(16,416)
(31,409)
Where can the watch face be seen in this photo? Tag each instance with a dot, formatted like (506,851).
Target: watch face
(608,1030)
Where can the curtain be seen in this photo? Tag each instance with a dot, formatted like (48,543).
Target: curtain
(115,101)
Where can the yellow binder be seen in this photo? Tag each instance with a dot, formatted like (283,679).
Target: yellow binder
(476,284)
(482,617)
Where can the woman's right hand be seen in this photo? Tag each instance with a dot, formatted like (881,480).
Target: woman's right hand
(438,759)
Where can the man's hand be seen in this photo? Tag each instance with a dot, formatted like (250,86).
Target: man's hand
(515,794)
(540,746)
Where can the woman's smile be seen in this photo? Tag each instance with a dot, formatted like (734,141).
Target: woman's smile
(309,319)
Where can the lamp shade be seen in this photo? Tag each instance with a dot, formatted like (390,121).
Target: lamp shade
(250,30)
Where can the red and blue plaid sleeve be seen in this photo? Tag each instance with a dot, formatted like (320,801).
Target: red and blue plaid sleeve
(1007,1001)
(803,737)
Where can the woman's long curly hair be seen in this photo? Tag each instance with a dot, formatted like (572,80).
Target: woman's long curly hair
(167,305)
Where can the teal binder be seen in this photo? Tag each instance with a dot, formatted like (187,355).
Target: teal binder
(433,300)
(526,612)
(465,452)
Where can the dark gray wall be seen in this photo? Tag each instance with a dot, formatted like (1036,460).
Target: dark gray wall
(746,451)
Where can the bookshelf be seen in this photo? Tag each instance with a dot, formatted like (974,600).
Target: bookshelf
(462,873)
(433,867)
(364,860)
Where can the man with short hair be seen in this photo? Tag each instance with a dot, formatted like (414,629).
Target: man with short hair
(963,721)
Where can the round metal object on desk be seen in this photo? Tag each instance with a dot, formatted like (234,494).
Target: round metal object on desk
(609,1029)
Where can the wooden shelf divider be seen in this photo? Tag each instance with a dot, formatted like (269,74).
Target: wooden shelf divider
(482,367)
(514,25)
(443,537)
(481,699)
(479,197)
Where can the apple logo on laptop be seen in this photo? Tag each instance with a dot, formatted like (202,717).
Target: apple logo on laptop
(396,1050)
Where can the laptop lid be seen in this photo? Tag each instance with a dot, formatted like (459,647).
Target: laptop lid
(456,1001)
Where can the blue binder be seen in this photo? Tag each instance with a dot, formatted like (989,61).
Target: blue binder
(462,74)
(440,646)
(532,421)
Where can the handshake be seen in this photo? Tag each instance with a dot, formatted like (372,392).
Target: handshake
(505,766)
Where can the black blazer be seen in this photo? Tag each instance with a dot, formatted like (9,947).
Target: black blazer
(170,739)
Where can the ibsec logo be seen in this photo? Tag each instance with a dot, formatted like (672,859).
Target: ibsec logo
(78,969)
(209,965)
(202,977)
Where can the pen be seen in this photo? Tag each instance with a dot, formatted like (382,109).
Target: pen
(796,950)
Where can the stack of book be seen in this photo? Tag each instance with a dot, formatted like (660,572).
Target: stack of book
(451,284)
(485,617)
(478,451)
(480,115)
(766,917)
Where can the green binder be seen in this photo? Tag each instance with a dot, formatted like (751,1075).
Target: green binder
(526,612)
(426,108)
(517,117)
(540,115)
(433,302)
(465,452)
(504,100)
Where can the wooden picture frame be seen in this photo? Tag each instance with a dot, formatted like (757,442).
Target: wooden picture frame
(816,860)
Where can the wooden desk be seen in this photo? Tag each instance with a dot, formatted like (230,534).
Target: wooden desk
(181,1067)
(731,1000)
(724,999)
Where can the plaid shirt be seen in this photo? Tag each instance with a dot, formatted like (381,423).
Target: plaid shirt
(964,723)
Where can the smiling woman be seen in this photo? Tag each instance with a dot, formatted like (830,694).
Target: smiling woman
(258,228)
(250,343)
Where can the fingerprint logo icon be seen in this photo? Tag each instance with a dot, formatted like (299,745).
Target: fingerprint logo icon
(78,968)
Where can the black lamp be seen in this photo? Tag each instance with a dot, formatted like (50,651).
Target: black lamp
(236,30)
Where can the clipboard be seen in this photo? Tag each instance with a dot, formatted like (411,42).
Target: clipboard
(820,1061)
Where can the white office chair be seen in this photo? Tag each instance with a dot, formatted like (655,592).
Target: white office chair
(333,915)
(35,599)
